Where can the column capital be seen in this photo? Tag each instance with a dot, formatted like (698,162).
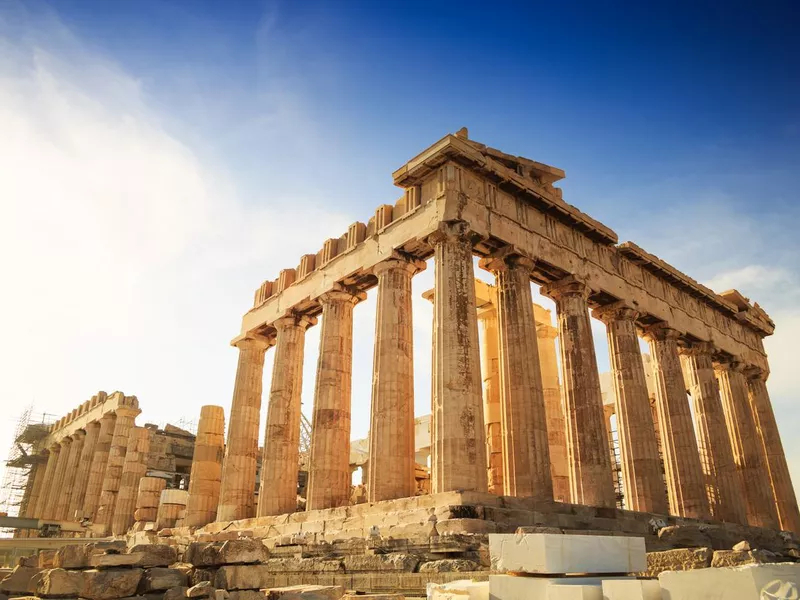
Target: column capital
(253,341)
(660,332)
(508,257)
(568,286)
(400,262)
(621,310)
(697,349)
(729,363)
(78,434)
(340,294)
(454,231)
(294,320)
(753,372)
(127,411)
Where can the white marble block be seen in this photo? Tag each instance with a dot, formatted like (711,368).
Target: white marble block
(512,587)
(574,592)
(463,589)
(631,589)
(749,582)
(553,553)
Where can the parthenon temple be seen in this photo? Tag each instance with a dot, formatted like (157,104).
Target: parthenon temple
(518,424)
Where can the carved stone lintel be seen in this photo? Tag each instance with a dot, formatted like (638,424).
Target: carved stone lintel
(568,286)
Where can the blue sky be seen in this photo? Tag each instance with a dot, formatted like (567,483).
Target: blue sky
(160,159)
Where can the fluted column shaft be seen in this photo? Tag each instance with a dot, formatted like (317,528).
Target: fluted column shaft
(204,481)
(329,476)
(75,450)
(237,492)
(770,437)
(97,469)
(82,469)
(490,373)
(591,477)
(546,336)
(56,495)
(724,484)
(685,485)
(42,505)
(391,438)
(133,469)
(458,455)
(37,474)
(281,462)
(641,466)
(748,451)
(116,461)
(526,448)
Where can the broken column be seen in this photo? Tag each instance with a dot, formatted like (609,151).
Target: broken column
(458,457)
(526,448)
(204,480)
(767,427)
(724,483)
(75,449)
(82,471)
(126,415)
(641,466)
(281,461)
(391,440)
(591,478)
(237,490)
(171,508)
(685,485)
(748,451)
(148,498)
(133,469)
(546,336)
(490,373)
(329,476)
(97,469)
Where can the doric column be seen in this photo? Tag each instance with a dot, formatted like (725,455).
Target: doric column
(391,437)
(82,470)
(126,415)
(133,469)
(490,373)
(591,477)
(723,482)
(748,451)
(770,437)
(546,336)
(329,468)
(237,491)
(279,467)
(37,475)
(43,504)
(75,450)
(56,502)
(97,469)
(526,448)
(204,481)
(641,467)
(685,486)
(458,455)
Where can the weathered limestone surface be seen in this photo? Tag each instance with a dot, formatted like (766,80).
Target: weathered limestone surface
(767,427)
(391,448)
(204,480)
(38,472)
(279,467)
(82,471)
(748,451)
(126,415)
(97,470)
(148,498)
(458,457)
(685,485)
(329,468)
(133,469)
(56,501)
(490,373)
(587,441)
(237,491)
(43,510)
(75,449)
(556,425)
(526,447)
(641,465)
(723,483)
(680,559)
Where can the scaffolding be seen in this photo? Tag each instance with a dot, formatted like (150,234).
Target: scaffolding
(30,430)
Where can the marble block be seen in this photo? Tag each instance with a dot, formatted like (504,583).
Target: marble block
(631,589)
(559,591)
(462,589)
(749,582)
(513,587)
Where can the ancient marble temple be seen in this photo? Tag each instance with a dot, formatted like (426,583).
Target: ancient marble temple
(720,459)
